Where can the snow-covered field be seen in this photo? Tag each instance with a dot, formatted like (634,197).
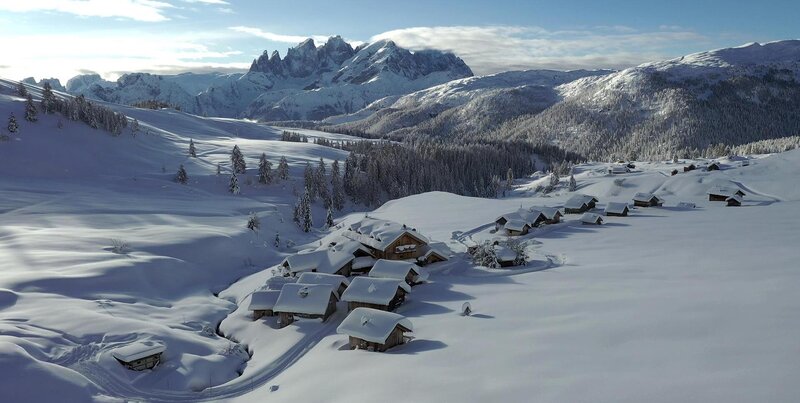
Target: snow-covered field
(667,304)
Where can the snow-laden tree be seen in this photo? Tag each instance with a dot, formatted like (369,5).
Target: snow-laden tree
(277,241)
(304,212)
(30,110)
(509,179)
(337,191)
(134,126)
(192,150)
(233,186)
(329,218)
(13,126)
(573,185)
(48,98)
(283,169)
(322,184)
(21,90)
(310,182)
(264,170)
(219,168)
(553,183)
(237,160)
(485,255)
(520,257)
(181,176)
(253,222)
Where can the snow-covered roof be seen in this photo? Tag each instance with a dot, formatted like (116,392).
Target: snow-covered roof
(521,217)
(577,201)
(616,208)
(277,282)
(323,261)
(645,197)
(504,253)
(363,262)
(725,191)
(396,269)
(309,299)
(549,212)
(379,234)
(263,299)
(372,325)
(735,197)
(335,280)
(138,350)
(438,248)
(516,225)
(373,290)
(591,218)
(344,244)
(619,169)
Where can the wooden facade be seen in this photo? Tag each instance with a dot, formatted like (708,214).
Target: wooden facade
(691,167)
(395,338)
(653,202)
(259,313)
(713,167)
(392,253)
(287,318)
(142,364)
(525,229)
(624,213)
(584,208)
(717,197)
(732,202)
(397,300)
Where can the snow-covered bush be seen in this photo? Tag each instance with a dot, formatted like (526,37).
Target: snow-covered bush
(485,255)
(119,246)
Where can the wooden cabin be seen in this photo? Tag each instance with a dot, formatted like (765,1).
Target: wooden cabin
(552,215)
(647,200)
(312,301)
(374,330)
(262,303)
(519,222)
(718,193)
(690,167)
(140,355)
(432,255)
(399,270)
(387,239)
(618,169)
(517,227)
(617,209)
(580,204)
(385,294)
(337,281)
(734,201)
(591,219)
(506,257)
(674,172)
(328,261)
(714,166)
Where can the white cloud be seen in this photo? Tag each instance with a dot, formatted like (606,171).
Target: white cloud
(217,2)
(279,37)
(140,10)
(489,49)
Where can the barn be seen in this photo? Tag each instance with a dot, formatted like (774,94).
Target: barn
(591,219)
(387,239)
(322,261)
(139,355)
(374,330)
(338,281)
(580,204)
(262,303)
(646,200)
(379,293)
(313,301)
(617,209)
(398,269)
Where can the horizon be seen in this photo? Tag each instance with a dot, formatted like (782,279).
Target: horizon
(62,39)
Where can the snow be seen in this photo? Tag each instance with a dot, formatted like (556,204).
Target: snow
(138,350)
(323,261)
(578,201)
(263,300)
(363,262)
(372,325)
(396,269)
(616,207)
(308,299)
(645,197)
(334,280)
(374,290)
(591,218)
(379,234)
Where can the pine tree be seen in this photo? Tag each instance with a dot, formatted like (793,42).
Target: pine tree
(181,176)
(321,184)
(237,160)
(264,170)
(30,110)
(21,90)
(48,98)
(573,186)
(337,191)
(306,221)
(329,218)
(509,179)
(283,169)
(233,186)
(253,222)
(277,241)
(13,126)
(310,182)
(219,168)
(192,150)
(134,126)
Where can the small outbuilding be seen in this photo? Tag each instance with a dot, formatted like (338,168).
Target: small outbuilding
(436,252)
(313,301)
(338,281)
(618,169)
(674,172)
(580,204)
(552,215)
(690,167)
(646,200)
(361,265)
(379,293)
(591,219)
(714,166)
(374,330)
(516,227)
(734,201)
(617,209)
(262,303)
(721,193)
(139,355)
(398,269)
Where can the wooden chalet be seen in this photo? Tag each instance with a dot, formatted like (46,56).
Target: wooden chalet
(734,201)
(552,215)
(690,167)
(374,330)
(719,193)
(505,256)
(516,227)
(388,239)
(673,172)
(617,209)
(385,294)
(591,219)
(262,303)
(139,355)
(436,252)
(339,282)
(328,261)
(399,270)
(313,301)
(714,166)
(647,200)
(580,204)
(520,221)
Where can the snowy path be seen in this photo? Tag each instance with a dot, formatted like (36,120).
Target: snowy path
(240,386)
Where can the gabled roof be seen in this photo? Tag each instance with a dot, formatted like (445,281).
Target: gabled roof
(616,208)
(619,169)
(335,280)
(362,262)
(504,253)
(550,212)
(645,197)
(138,350)
(323,261)
(577,201)
(516,225)
(379,234)
(343,244)
(309,299)
(735,197)
(725,191)
(277,282)
(396,269)
(373,290)
(591,218)
(372,325)
(263,300)
(521,217)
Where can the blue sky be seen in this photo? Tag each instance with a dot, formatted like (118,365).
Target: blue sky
(62,38)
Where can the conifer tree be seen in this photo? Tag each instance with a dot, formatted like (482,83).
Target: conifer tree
(310,180)
(237,160)
(264,170)
(277,241)
(30,110)
(13,126)
(573,186)
(337,191)
(329,218)
(283,169)
(192,150)
(21,90)
(509,179)
(219,168)
(134,126)
(181,176)
(48,98)
(306,221)
(233,186)
(253,222)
